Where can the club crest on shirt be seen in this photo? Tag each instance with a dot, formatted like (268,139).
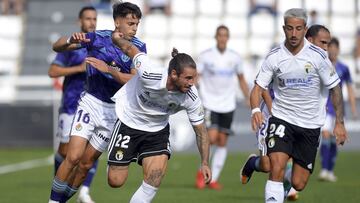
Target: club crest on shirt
(119,155)
(308,67)
(125,58)
(137,64)
(78,127)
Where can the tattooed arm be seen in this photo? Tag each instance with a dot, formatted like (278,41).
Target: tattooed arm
(126,46)
(203,143)
(337,101)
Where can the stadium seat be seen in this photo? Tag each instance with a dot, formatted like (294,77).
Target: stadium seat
(182,26)
(236,8)
(105,22)
(11,26)
(210,7)
(203,43)
(262,24)
(238,26)
(342,25)
(206,26)
(321,6)
(284,5)
(347,45)
(340,8)
(239,45)
(183,44)
(183,8)
(155,25)
(260,45)
(156,47)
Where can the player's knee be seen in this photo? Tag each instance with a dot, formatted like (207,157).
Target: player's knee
(116,178)
(86,165)
(277,172)
(298,184)
(265,166)
(72,159)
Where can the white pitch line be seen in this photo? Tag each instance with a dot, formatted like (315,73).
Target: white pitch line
(26,165)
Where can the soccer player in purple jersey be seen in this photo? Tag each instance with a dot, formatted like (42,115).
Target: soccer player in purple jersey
(95,116)
(71,64)
(328,148)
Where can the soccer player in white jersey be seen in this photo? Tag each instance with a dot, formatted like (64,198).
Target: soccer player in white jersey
(298,70)
(218,67)
(143,106)
(319,35)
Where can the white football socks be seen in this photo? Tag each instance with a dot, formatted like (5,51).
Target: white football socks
(144,194)
(274,192)
(217,162)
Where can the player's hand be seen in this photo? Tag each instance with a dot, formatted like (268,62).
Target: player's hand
(340,133)
(116,36)
(256,121)
(78,37)
(206,173)
(98,64)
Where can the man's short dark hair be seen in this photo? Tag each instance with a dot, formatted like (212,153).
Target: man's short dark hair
(86,8)
(334,41)
(123,9)
(314,30)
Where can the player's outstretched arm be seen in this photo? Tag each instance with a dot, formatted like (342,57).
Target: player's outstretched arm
(126,46)
(120,77)
(203,144)
(70,43)
(337,100)
(58,71)
(256,115)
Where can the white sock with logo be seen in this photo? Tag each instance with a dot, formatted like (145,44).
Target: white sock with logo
(144,194)
(274,192)
(218,161)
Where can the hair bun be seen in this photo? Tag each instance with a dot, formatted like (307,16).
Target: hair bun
(174,52)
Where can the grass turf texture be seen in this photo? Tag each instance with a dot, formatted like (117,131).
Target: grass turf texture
(33,185)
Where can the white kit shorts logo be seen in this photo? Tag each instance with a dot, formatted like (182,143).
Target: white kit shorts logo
(271,143)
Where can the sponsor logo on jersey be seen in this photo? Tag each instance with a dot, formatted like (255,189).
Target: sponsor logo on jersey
(125,58)
(101,136)
(78,127)
(119,155)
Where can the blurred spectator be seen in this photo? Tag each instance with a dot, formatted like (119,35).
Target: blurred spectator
(313,18)
(256,6)
(357,51)
(164,6)
(267,5)
(12,7)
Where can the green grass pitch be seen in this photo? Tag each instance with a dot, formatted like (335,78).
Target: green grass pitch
(33,185)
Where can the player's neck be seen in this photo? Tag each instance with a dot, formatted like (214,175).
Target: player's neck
(294,50)
(221,49)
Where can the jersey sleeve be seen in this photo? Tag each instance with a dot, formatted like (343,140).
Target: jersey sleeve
(91,36)
(149,75)
(194,107)
(265,74)
(328,73)
(61,59)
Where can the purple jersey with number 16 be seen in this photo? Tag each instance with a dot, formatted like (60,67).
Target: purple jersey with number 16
(101,85)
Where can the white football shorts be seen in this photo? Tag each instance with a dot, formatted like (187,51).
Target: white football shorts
(94,120)
(64,127)
(261,134)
